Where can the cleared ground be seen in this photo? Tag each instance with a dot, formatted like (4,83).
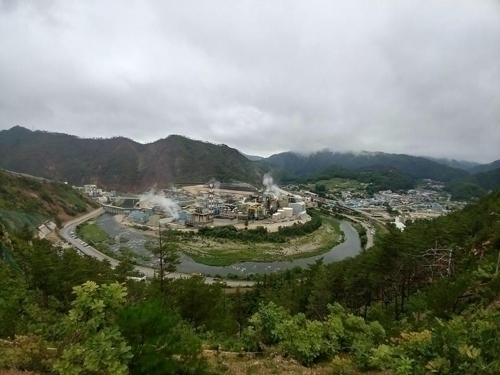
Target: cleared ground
(197,189)
(247,364)
(339,184)
(90,232)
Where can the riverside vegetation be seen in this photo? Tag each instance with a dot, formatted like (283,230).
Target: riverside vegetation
(226,245)
(422,301)
(92,234)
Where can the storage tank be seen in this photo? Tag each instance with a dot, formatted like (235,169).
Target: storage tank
(298,207)
(288,211)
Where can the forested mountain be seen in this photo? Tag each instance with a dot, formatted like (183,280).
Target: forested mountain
(485,167)
(474,185)
(379,177)
(252,157)
(457,164)
(29,201)
(120,163)
(415,167)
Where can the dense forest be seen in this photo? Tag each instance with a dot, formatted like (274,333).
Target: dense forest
(122,164)
(422,301)
(413,166)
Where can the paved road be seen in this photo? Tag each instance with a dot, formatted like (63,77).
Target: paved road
(369,235)
(70,226)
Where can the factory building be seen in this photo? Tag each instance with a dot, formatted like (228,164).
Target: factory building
(201,207)
(197,218)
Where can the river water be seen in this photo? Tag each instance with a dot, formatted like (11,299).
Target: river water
(349,248)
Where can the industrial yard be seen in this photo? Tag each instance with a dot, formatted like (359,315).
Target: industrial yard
(212,204)
(264,225)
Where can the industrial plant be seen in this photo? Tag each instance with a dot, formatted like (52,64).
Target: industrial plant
(211,204)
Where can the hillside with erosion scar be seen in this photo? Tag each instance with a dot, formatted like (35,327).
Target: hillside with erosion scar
(28,201)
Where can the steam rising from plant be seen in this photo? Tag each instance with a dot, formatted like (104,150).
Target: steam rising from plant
(270,186)
(215,185)
(154,198)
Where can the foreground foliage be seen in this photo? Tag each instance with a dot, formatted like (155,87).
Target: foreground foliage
(425,301)
(93,342)
(307,340)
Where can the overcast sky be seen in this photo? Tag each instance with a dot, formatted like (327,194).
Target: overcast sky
(417,77)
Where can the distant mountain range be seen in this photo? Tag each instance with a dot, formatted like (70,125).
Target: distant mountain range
(465,181)
(485,167)
(252,157)
(128,166)
(458,164)
(120,163)
(413,166)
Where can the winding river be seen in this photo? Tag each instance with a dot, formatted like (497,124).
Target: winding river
(349,248)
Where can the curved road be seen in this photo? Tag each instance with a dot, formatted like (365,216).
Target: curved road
(149,272)
(370,241)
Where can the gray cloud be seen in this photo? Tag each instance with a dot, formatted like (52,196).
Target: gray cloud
(418,77)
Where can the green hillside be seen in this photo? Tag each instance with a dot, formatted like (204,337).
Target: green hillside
(475,185)
(378,177)
(120,163)
(485,167)
(413,166)
(30,201)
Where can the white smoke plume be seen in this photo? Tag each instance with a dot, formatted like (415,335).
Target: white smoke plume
(270,186)
(215,186)
(153,198)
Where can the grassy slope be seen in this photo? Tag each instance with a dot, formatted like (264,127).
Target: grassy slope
(30,201)
(90,232)
(337,184)
(377,178)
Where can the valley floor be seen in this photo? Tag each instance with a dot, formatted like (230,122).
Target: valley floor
(224,252)
(221,252)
